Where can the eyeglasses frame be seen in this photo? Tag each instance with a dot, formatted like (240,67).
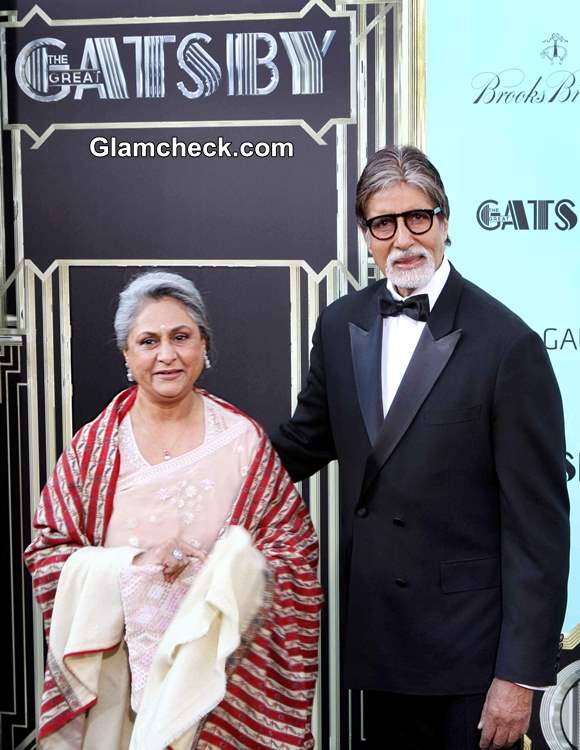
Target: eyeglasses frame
(431,211)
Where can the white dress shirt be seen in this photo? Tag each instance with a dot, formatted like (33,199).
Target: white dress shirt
(401,335)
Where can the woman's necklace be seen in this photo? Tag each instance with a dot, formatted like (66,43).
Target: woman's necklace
(167,450)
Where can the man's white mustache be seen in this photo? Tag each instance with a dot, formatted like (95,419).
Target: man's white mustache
(396,255)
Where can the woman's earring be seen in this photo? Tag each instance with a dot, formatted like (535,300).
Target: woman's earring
(206,361)
(130,377)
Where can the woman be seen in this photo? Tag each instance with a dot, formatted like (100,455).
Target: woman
(174,562)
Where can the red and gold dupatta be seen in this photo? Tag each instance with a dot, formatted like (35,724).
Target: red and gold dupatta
(271,679)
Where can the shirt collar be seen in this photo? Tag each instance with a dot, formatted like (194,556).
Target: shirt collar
(433,288)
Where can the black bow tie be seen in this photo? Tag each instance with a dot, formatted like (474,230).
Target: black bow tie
(416,307)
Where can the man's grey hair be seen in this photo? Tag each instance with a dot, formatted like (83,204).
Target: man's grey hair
(153,285)
(395,164)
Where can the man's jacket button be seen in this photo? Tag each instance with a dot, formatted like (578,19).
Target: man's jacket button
(399,521)
(402,582)
(362,512)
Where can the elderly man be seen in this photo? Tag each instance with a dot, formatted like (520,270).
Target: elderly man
(442,409)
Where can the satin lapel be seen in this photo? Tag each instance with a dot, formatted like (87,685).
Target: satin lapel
(435,347)
(427,364)
(365,347)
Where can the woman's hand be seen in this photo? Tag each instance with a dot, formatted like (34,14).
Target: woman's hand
(174,555)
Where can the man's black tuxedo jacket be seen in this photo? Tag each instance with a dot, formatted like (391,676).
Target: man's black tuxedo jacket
(454,509)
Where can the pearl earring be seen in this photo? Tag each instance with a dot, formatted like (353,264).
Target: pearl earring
(130,377)
(206,361)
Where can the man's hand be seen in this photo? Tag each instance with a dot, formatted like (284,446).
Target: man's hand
(506,714)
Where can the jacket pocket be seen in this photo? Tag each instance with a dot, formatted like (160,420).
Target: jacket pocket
(450,416)
(470,575)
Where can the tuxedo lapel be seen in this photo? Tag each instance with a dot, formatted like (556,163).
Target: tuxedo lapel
(365,331)
(365,348)
(435,347)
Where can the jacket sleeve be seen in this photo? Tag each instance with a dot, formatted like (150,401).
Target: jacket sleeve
(305,443)
(529,447)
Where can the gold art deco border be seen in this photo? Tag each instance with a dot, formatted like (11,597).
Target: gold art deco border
(409,107)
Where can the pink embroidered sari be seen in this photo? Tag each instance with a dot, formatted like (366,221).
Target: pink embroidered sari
(188,497)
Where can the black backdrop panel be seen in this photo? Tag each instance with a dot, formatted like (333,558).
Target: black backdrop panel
(172,71)
(180,208)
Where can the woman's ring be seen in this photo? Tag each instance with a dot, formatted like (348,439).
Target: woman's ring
(178,554)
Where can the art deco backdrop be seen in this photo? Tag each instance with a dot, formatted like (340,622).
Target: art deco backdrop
(224,139)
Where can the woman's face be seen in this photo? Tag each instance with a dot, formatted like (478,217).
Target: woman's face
(165,350)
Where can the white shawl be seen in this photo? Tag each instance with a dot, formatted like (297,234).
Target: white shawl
(187,678)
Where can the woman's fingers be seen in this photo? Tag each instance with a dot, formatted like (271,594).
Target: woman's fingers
(178,556)
(174,555)
(181,551)
(191,551)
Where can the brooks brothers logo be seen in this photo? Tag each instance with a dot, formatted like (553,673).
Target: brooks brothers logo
(512,85)
(555,52)
(527,214)
(252,67)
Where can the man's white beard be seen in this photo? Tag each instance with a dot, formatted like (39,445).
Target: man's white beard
(411,278)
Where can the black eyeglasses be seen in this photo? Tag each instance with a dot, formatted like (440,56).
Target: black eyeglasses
(417,221)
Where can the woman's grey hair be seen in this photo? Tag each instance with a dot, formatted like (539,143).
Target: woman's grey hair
(153,285)
(396,164)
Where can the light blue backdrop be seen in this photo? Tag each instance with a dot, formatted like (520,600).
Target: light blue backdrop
(520,142)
